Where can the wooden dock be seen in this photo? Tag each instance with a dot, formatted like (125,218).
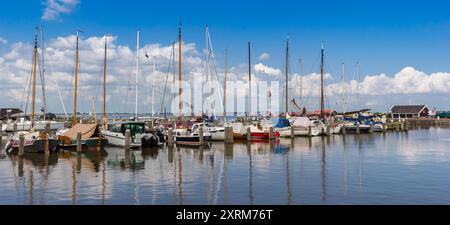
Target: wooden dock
(428,122)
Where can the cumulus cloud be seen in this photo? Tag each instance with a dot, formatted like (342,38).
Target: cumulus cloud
(15,67)
(3,41)
(407,81)
(264,56)
(54,8)
(263,69)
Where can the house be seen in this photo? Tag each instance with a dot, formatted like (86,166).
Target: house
(409,111)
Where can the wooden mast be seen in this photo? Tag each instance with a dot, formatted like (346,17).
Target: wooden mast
(74,118)
(179,72)
(322,104)
(34,83)
(225,87)
(104,118)
(287,78)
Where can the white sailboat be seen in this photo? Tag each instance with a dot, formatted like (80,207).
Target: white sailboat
(115,132)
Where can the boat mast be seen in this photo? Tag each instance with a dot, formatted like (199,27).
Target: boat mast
(43,70)
(74,118)
(300,62)
(342,89)
(322,105)
(137,76)
(34,83)
(179,72)
(207,53)
(153,86)
(225,87)
(357,86)
(287,78)
(249,81)
(104,118)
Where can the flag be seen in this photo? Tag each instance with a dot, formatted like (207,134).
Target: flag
(270,94)
(146,55)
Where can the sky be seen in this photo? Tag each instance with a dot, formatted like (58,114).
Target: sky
(402,47)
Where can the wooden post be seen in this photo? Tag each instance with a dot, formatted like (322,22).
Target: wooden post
(200,135)
(46,146)
(328,130)
(309,131)
(397,126)
(249,134)
(21,144)
(170,137)
(127,139)
(271,135)
(371,129)
(79,142)
(344,129)
(384,128)
(229,135)
(1,137)
(292,132)
(14,128)
(406,126)
(358,131)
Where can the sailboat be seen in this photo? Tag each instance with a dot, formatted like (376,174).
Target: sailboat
(186,136)
(217,133)
(257,131)
(115,132)
(91,135)
(353,124)
(23,122)
(322,122)
(282,124)
(35,141)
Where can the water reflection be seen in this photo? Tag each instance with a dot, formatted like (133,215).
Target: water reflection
(317,170)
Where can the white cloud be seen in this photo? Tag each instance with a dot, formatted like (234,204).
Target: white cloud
(264,56)
(3,41)
(54,8)
(407,81)
(263,69)
(15,67)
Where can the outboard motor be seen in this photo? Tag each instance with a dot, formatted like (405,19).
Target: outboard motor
(149,140)
(161,136)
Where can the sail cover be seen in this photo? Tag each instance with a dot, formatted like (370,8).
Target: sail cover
(86,130)
(302,121)
(280,122)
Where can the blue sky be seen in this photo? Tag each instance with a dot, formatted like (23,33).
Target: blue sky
(383,36)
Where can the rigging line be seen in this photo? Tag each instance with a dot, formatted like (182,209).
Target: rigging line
(28,80)
(215,71)
(167,77)
(59,93)
(41,78)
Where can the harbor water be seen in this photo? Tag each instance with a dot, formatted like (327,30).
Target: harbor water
(392,168)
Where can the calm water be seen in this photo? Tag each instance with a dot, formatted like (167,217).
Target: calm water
(392,168)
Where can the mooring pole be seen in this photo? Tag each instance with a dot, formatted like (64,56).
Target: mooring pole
(21,145)
(79,142)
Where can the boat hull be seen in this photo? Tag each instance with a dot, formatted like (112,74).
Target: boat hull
(34,146)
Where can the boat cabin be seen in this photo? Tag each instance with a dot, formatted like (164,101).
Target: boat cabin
(134,127)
